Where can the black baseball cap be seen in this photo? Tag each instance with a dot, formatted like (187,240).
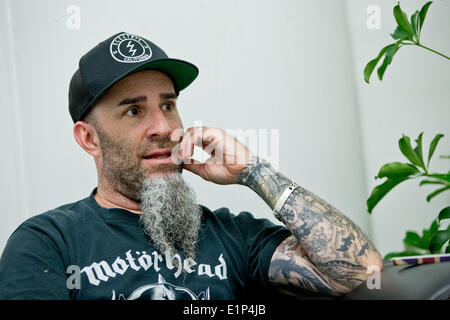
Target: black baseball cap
(115,58)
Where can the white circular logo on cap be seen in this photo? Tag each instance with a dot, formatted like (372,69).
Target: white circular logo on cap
(129,48)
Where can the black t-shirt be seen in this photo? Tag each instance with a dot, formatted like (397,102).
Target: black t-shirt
(84,251)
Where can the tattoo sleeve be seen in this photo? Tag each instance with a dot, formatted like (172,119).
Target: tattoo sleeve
(331,242)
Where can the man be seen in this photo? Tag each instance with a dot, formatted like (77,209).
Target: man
(141,234)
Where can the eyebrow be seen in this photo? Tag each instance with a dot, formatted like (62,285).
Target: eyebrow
(132,100)
(170,95)
(127,101)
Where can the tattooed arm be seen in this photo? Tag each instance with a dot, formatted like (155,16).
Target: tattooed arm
(326,252)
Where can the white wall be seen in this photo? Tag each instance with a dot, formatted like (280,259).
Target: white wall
(414,96)
(283,65)
(12,177)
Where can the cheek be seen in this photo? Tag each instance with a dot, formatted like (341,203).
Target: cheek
(177,131)
(177,126)
(174,122)
(124,148)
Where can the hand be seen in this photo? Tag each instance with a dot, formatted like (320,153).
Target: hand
(229,157)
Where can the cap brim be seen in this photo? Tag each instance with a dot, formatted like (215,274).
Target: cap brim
(182,74)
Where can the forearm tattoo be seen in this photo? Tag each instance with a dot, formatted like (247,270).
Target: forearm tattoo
(332,242)
(291,268)
(262,178)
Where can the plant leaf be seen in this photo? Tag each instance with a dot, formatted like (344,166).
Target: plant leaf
(419,152)
(381,190)
(382,69)
(428,233)
(438,240)
(430,182)
(390,52)
(422,14)
(436,192)
(401,254)
(444,214)
(402,20)
(441,176)
(373,63)
(433,146)
(400,34)
(405,147)
(414,240)
(415,23)
(447,250)
(397,170)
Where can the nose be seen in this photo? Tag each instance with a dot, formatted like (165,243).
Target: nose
(158,125)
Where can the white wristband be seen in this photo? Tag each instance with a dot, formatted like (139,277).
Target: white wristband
(286,193)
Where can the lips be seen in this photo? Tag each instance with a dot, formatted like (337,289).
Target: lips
(159,154)
(158,157)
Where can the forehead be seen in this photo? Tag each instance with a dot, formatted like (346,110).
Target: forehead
(147,81)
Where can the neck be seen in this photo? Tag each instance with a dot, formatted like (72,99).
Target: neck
(107,197)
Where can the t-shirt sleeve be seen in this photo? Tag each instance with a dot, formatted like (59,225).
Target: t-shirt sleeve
(31,266)
(262,238)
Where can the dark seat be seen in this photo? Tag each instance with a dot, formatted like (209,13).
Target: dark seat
(409,282)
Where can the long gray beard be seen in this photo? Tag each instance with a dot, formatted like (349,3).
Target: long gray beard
(170,215)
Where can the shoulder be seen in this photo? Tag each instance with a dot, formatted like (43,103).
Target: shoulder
(65,217)
(224,215)
(244,221)
(43,239)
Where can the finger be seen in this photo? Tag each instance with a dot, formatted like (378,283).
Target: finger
(213,160)
(175,155)
(187,143)
(196,136)
(195,167)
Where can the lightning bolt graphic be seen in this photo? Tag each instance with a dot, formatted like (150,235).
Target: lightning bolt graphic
(131,48)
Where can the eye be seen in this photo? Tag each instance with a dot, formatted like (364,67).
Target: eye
(168,106)
(133,111)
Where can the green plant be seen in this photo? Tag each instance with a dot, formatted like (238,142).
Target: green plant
(432,239)
(406,33)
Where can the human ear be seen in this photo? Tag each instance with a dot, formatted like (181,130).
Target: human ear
(86,136)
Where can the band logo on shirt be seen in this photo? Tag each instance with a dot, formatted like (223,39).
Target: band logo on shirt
(102,271)
(162,290)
